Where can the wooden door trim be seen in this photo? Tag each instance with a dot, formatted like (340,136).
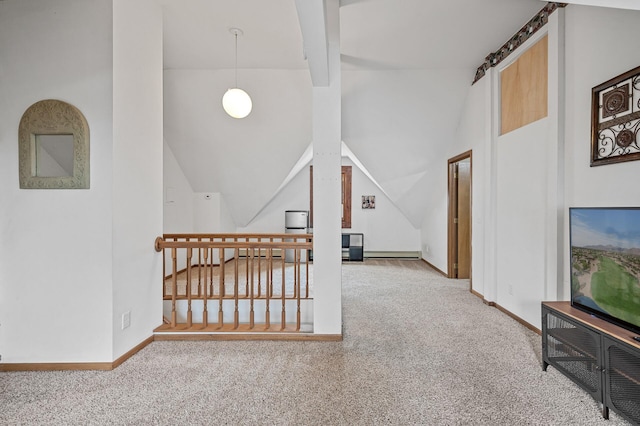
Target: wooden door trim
(345,179)
(450,214)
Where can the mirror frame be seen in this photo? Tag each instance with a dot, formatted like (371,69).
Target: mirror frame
(53,117)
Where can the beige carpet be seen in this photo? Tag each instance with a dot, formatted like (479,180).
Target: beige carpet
(418,349)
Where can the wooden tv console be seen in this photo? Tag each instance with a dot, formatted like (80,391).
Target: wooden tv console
(601,358)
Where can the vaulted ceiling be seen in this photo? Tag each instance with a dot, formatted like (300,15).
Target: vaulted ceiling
(406,68)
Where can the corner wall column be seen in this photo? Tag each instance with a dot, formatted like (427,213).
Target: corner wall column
(327,136)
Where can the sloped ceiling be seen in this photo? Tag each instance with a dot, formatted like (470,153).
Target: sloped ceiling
(407,66)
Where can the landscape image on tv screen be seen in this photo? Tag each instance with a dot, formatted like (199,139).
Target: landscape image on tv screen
(605,263)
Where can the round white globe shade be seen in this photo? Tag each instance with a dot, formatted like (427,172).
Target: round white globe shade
(237,103)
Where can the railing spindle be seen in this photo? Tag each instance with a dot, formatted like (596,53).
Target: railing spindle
(188,287)
(271,271)
(205,312)
(246,275)
(199,271)
(284,293)
(236,312)
(297,288)
(164,273)
(221,289)
(181,282)
(251,314)
(296,266)
(174,287)
(259,270)
(268,292)
(211,271)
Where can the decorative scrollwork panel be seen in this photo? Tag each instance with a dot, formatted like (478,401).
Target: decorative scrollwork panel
(615,120)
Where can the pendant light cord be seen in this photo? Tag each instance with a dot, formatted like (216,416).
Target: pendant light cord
(236,34)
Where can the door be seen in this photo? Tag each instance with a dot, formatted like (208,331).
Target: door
(459,218)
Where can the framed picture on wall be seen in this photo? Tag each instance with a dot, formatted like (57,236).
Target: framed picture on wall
(615,119)
(368,201)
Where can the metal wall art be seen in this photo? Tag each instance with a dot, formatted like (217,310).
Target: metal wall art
(615,119)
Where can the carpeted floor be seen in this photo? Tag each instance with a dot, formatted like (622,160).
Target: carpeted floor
(418,349)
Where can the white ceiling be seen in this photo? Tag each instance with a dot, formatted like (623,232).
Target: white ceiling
(247,160)
(387,34)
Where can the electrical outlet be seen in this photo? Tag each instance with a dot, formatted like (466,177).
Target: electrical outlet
(126,319)
(510,289)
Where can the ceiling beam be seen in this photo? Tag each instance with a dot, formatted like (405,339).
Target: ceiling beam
(313,23)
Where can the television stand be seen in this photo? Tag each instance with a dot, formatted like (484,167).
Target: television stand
(601,358)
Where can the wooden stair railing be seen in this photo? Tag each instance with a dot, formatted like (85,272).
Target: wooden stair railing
(196,272)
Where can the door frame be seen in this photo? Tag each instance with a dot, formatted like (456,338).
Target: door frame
(452,199)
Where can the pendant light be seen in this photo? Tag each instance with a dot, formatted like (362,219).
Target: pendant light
(236,102)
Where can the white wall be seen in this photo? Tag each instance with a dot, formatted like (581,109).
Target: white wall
(522,194)
(261,148)
(473,134)
(74,260)
(294,196)
(211,216)
(521,207)
(385,228)
(594,57)
(396,129)
(137,170)
(434,226)
(206,212)
(327,141)
(524,180)
(178,196)
(56,245)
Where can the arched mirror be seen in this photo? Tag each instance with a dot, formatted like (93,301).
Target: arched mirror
(53,140)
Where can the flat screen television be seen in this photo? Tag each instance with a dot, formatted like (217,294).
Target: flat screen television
(605,263)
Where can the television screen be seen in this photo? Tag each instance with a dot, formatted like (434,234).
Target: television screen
(605,263)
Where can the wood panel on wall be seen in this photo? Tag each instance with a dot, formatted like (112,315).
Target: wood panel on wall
(523,88)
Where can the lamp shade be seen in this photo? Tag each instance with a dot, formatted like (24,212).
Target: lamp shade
(237,103)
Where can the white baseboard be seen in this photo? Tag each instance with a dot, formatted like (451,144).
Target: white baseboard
(393,254)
